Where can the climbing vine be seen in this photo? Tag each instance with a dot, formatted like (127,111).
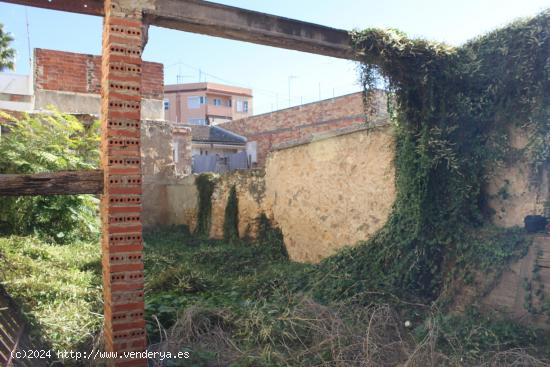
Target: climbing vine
(231,218)
(205,185)
(452,108)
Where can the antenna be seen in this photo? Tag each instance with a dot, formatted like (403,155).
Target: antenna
(28,39)
(180,76)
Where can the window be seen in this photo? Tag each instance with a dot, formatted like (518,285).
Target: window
(197,121)
(217,102)
(228,103)
(166,104)
(242,106)
(195,101)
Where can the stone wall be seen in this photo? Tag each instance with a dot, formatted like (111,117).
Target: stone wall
(325,192)
(250,187)
(296,123)
(331,192)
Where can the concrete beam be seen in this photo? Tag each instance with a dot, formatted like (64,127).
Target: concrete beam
(88,7)
(224,21)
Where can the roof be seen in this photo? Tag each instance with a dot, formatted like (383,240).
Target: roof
(215,134)
(207,87)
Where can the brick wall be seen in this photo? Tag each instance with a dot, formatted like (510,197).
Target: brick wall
(80,73)
(297,123)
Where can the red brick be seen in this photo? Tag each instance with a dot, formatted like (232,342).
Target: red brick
(72,72)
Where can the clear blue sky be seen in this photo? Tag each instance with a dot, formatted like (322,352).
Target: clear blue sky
(265,69)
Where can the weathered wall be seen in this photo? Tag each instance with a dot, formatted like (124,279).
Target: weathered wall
(250,187)
(331,192)
(335,188)
(324,194)
(182,201)
(159,169)
(514,191)
(71,82)
(271,129)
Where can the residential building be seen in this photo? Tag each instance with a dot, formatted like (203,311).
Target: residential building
(206,103)
(217,150)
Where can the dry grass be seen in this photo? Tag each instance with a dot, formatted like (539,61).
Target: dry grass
(311,334)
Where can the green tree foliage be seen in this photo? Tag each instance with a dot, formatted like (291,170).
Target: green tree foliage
(451,109)
(7,54)
(231,218)
(47,143)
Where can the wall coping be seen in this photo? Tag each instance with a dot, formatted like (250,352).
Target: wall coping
(314,137)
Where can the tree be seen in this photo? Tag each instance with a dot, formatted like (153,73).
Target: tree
(7,54)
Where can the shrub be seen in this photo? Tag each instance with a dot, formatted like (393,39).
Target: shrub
(47,143)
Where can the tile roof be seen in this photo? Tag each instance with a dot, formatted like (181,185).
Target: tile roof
(215,134)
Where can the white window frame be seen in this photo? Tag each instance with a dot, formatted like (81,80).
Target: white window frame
(194,102)
(242,105)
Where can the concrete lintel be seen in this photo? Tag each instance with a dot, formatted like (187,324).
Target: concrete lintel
(224,21)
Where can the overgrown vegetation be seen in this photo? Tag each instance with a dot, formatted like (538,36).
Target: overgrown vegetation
(205,185)
(243,304)
(452,108)
(49,143)
(57,286)
(231,217)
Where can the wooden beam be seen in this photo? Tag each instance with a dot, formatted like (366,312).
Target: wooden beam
(224,21)
(56,183)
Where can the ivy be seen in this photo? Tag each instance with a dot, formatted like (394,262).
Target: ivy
(231,218)
(205,184)
(451,110)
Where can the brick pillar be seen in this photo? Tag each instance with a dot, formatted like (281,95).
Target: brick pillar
(122,247)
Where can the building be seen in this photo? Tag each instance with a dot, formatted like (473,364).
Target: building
(217,150)
(206,103)
(268,130)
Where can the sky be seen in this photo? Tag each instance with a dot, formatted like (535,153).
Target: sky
(270,72)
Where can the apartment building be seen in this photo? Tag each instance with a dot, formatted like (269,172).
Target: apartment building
(206,103)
